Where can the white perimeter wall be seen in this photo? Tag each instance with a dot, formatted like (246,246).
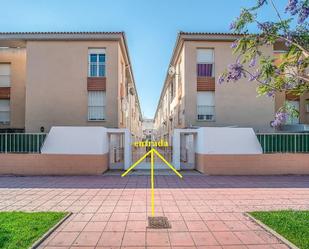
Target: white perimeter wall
(76,140)
(226,140)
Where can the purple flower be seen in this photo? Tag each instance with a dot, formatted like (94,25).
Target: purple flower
(232,25)
(288,43)
(277,71)
(271,93)
(280,118)
(299,62)
(303,14)
(252,77)
(252,62)
(221,79)
(292,7)
(266,81)
(266,26)
(289,37)
(255,75)
(288,86)
(261,2)
(235,72)
(234,44)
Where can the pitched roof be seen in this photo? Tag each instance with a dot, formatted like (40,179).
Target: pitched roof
(207,33)
(60,35)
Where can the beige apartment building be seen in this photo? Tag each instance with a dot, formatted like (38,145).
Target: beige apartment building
(67,79)
(192,98)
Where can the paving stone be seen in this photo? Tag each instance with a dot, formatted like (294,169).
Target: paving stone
(111,212)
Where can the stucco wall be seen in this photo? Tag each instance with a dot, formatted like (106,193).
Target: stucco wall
(17,58)
(236,103)
(57,83)
(224,140)
(76,140)
(264,164)
(40,164)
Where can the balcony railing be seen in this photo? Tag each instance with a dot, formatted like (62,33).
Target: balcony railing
(205,113)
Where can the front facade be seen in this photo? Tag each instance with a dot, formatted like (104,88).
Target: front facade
(67,79)
(192,98)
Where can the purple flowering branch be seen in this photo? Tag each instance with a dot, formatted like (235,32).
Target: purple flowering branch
(272,75)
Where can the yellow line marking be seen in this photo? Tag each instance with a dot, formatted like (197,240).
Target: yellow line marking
(152,184)
(135,164)
(167,163)
(151,152)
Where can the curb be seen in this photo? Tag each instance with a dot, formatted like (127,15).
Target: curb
(273,232)
(50,231)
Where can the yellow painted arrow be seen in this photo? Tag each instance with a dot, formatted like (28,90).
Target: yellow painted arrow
(151,152)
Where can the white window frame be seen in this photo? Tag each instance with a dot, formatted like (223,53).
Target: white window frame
(103,106)
(5,75)
(96,51)
(6,110)
(210,108)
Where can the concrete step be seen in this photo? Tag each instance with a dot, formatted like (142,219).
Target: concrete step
(143,172)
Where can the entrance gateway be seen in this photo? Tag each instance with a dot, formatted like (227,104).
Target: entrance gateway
(118,145)
(140,148)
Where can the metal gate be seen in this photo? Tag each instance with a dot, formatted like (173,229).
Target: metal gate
(116,151)
(187,151)
(138,152)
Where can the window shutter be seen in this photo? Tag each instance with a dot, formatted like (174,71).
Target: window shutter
(96,51)
(4,110)
(206,98)
(96,105)
(5,73)
(205,56)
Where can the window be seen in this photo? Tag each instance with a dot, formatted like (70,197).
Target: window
(307,105)
(295,104)
(96,62)
(4,111)
(96,105)
(173,88)
(205,62)
(179,78)
(179,112)
(206,106)
(5,74)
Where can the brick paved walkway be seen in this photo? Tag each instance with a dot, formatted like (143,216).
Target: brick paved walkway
(111,212)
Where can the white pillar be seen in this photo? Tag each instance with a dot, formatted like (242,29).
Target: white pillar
(127,149)
(176,149)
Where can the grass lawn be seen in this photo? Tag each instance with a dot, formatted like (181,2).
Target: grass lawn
(19,230)
(292,225)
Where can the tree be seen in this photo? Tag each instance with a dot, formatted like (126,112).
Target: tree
(288,73)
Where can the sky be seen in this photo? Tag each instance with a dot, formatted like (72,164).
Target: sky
(151,28)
